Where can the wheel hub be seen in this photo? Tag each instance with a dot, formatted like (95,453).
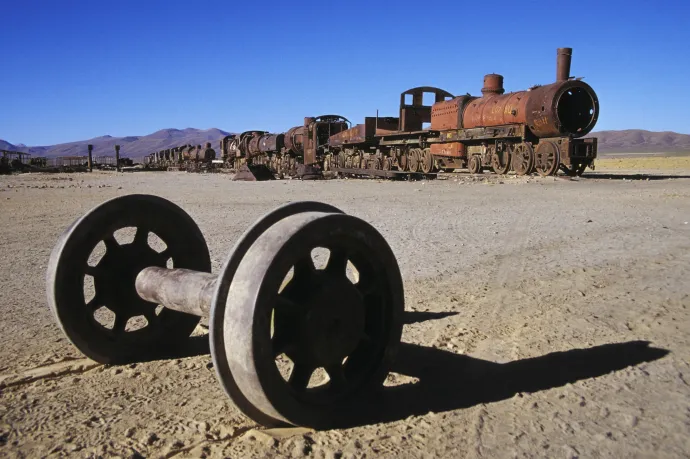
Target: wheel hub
(116,274)
(333,325)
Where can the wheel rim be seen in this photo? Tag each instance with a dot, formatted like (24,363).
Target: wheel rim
(97,326)
(386,164)
(219,304)
(322,319)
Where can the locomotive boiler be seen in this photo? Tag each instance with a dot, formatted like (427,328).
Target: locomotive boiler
(539,129)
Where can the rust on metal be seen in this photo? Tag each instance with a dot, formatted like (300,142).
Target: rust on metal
(564,56)
(493,84)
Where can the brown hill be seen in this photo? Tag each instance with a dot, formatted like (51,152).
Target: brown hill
(641,141)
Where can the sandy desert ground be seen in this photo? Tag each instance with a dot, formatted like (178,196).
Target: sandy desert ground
(545,318)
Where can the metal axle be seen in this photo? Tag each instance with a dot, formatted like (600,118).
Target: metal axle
(179,289)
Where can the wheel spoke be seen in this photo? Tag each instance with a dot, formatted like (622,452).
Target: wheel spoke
(281,342)
(336,373)
(110,242)
(151,316)
(165,254)
(120,323)
(92,271)
(141,236)
(300,376)
(303,269)
(337,262)
(94,303)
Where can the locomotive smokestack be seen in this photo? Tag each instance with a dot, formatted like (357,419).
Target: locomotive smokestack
(493,84)
(563,63)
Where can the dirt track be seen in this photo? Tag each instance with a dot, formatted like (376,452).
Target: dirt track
(527,300)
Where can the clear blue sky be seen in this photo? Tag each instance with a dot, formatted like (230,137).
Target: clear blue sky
(74,70)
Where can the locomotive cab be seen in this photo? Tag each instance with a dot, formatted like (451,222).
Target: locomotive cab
(318,131)
(414,114)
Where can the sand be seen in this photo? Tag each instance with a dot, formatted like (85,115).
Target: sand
(546,318)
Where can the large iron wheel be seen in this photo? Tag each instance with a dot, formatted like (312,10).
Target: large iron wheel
(92,271)
(547,158)
(523,159)
(304,339)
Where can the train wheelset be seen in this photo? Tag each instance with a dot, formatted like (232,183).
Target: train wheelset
(269,301)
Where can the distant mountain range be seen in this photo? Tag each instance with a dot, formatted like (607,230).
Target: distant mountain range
(640,141)
(136,147)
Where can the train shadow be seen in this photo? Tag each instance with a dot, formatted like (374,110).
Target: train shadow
(448,381)
(612,176)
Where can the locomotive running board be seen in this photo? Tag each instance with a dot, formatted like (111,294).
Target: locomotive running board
(399,175)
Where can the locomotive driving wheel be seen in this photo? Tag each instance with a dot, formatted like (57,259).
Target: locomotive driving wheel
(474,165)
(414,160)
(523,159)
(500,162)
(376,164)
(547,158)
(427,161)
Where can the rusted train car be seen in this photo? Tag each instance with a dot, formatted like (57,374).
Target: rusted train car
(284,154)
(539,129)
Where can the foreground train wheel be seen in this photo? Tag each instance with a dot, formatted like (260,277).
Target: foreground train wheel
(299,353)
(474,165)
(89,256)
(523,159)
(547,158)
(387,164)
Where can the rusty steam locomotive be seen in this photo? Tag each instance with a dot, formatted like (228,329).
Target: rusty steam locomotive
(540,129)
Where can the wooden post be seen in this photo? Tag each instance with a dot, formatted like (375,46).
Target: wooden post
(90,159)
(117,158)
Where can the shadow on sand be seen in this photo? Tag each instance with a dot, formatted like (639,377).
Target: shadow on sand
(613,176)
(449,381)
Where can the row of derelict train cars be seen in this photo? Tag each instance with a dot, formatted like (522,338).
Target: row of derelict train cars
(538,130)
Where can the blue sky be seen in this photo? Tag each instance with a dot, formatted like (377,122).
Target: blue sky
(74,70)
